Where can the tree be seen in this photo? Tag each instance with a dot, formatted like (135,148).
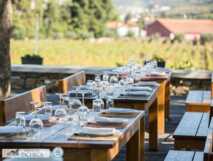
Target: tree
(5,32)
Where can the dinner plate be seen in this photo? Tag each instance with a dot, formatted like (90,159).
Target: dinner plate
(13,130)
(96,132)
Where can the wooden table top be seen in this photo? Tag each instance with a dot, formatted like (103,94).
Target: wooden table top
(58,136)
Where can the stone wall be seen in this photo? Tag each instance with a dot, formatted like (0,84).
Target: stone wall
(25,77)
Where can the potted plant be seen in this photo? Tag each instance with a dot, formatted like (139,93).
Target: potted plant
(160,61)
(32,59)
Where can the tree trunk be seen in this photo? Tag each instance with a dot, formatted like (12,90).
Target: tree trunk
(5,31)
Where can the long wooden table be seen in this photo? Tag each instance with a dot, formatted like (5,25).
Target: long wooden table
(150,104)
(87,148)
(163,97)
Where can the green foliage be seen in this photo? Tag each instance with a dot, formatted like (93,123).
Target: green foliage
(158,58)
(31,56)
(77,18)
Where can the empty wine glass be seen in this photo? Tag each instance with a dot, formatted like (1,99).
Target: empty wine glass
(20,119)
(97,78)
(73,105)
(61,98)
(36,125)
(60,112)
(109,102)
(113,79)
(82,114)
(48,108)
(105,77)
(97,105)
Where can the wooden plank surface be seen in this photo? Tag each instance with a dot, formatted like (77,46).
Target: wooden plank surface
(204,125)
(194,97)
(179,156)
(198,156)
(189,124)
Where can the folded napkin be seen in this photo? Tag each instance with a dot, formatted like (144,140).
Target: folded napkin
(157,73)
(99,119)
(119,113)
(136,93)
(139,88)
(13,130)
(96,132)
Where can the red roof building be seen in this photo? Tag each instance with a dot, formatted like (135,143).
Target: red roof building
(190,28)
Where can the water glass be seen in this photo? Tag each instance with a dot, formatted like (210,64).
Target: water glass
(20,119)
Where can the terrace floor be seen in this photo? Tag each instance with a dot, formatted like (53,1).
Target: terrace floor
(177,109)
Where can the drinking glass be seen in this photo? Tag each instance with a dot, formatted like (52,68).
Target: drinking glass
(96,105)
(48,108)
(60,112)
(82,114)
(113,79)
(105,77)
(20,119)
(36,125)
(97,78)
(109,103)
(73,105)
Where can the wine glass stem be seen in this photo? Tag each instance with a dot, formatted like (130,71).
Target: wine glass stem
(83,101)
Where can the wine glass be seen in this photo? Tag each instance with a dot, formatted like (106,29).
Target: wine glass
(73,105)
(60,112)
(48,108)
(36,125)
(82,114)
(109,102)
(105,77)
(20,119)
(97,78)
(96,105)
(113,79)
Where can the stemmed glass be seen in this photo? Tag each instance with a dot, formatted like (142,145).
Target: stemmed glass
(48,108)
(20,119)
(36,125)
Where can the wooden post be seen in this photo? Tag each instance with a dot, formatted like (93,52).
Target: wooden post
(153,126)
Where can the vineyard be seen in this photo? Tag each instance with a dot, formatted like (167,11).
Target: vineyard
(178,55)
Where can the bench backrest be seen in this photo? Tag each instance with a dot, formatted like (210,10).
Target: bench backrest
(64,85)
(208,150)
(20,102)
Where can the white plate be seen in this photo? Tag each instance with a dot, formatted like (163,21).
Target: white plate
(89,131)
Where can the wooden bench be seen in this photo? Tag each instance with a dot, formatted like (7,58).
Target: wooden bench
(20,102)
(64,85)
(192,131)
(184,156)
(199,100)
(208,150)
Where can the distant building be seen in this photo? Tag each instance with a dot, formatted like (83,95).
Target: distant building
(123,29)
(191,29)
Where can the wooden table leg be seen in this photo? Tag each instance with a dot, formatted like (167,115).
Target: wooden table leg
(167,96)
(133,152)
(142,140)
(1,155)
(153,126)
(161,96)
